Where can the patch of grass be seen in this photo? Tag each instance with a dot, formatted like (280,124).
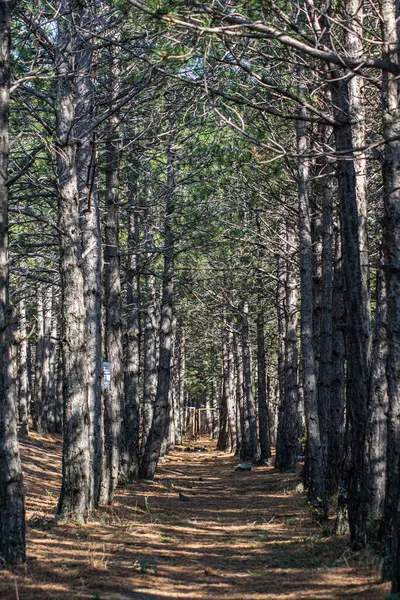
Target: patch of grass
(164,539)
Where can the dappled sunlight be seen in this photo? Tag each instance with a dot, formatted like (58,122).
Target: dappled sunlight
(237,536)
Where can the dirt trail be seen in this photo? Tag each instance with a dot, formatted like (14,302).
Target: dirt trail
(237,536)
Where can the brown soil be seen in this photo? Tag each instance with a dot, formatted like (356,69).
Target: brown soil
(239,536)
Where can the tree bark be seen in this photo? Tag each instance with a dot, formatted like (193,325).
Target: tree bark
(325,342)
(356,329)
(89,206)
(288,432)
(250,448)
(37,408)
(132,413)
(262,396)
(354,13)
(391,237)
(74,502)
(149,357)
(377,438)
(12,511)
(23,373)
(315,462)
(160,418)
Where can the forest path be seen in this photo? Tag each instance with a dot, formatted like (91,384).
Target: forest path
(238,536)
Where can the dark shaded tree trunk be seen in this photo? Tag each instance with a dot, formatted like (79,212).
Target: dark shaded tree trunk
(337,384)
(262,396)
(357,333)
(325,340)
(391,237)
(377,438)
(241,421)
(288,429)
(12,511)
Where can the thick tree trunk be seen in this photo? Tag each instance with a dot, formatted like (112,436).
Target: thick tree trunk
(116,459)
(74,502)
(12,512)
(354,11)
(357,334)
(391,237)
(89,206)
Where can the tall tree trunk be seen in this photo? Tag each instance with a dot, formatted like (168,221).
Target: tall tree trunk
(89,206)
(12,512)
(315,462)
(354,13)
(288,433)
(149,357)
(262,396)
(227,438)
(280,313)
(52,402)
(378,404)
(325,341)
(132,362)
(391,237)
(160,418)
(180,387)
(74,502)
(214,405)
(249,448)
(116,456)
(37,409)
(47,347)
(23,372)
(357,335)
(337,386)
(241,421)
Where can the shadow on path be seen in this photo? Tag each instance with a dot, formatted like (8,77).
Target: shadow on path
(237,536)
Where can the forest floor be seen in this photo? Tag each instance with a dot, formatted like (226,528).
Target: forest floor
(238,536)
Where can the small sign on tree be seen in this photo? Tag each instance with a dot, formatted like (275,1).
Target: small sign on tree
(106,375)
